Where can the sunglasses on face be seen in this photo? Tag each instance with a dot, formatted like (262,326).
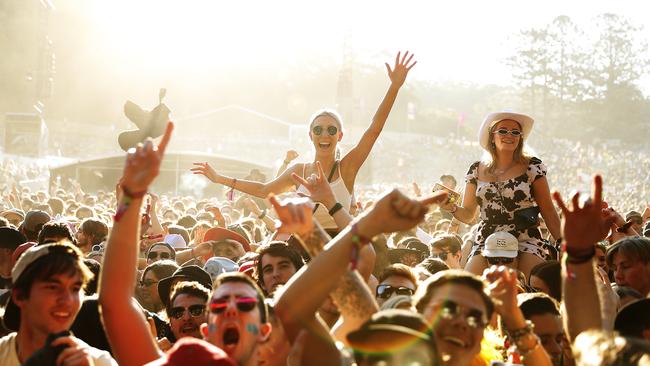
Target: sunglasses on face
(504,132)
(179,311)
(155,255)
(244,304)
(449,310)
(318,130)
(500,260)
(386,291)
(441,255)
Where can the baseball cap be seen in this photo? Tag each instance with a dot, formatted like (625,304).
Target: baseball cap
(195,351)
(34,219)
(187,273)
(501,244)
(175,240)
(11,317)
(218,265)
(11,238)
(633,319)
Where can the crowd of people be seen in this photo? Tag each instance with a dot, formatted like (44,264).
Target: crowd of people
(307,268)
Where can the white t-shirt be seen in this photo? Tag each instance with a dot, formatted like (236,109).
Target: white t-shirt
(9,357)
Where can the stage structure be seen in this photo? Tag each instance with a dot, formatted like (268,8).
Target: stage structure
(174,178)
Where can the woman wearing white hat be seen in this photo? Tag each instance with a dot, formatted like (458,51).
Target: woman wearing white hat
(511,189)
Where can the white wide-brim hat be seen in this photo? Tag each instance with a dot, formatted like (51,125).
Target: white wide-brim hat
(526,123)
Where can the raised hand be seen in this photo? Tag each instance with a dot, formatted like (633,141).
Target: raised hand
(143,163)
(295,215)
(206,170)
(583,227)
(291,156)
(396,212)
(401,68)
(318,187)
(502,289)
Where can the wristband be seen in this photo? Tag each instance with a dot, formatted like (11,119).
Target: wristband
(132,195)
(335,209)
(262,215)
(127,197)
(358,242)
(579,257)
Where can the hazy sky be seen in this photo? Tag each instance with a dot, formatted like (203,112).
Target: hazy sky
(460,41)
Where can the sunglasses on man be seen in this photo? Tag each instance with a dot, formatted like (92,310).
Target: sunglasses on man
(449,310)
(386,291)
(318,130)
(179,311)
(244,304)
(161,255)
(504,132)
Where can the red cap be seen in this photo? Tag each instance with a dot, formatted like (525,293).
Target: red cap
(20,250)
(189,350)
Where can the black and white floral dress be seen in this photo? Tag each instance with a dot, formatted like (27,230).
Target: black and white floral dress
(500,200)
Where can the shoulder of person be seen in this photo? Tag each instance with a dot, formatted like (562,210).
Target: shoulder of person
(8,355)
(534,160)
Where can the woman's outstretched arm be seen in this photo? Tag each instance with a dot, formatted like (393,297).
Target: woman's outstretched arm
(279,185)
(353,160)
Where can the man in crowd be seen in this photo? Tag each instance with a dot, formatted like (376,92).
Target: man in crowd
(396,279)
(46,297)
(629,258)
(275,264)
(10,239)
(91,232)
(33,223)
(186,311)
(544,312)
(447,247)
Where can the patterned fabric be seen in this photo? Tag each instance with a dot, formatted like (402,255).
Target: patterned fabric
(500,200)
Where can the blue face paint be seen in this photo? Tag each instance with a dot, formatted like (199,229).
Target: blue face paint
(252,328)
(212,328)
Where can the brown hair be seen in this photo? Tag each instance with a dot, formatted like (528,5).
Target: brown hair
(519,156)
(425,291)
(398,269)
(238,277)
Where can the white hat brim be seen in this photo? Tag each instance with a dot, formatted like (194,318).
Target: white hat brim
(500,253)
(525,121)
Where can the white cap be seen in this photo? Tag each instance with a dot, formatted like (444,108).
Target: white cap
(501,244)
(176,241)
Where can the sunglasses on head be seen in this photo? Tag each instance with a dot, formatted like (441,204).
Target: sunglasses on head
(386,291)
(318,130)
(449,310)
(162,255)
(244,304)
(195,310)
(504,132)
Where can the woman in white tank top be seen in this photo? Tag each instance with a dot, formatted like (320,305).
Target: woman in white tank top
(325,132)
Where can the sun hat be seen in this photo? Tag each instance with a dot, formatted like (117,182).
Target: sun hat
(218,233)
(526,123)
(501,244)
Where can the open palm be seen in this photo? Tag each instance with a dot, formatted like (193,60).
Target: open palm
(402,66)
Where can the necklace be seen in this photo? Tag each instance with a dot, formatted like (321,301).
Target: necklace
(498,173)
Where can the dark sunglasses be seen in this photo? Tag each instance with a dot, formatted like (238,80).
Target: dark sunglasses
(179,311)
(441,255)
(318,130)
(386,291)
(499,260)
(162,255)
(244,304)
(504,132)
(449,310)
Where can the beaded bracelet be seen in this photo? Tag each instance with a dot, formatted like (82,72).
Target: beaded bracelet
(127,197)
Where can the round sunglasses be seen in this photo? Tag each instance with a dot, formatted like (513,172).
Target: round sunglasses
(179,311)
(318,130)
(244,304)
(504,132)
(449,310)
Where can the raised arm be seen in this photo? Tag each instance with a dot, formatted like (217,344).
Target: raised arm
(582,227)
(280,184)
(353,160)
(465,212)
(289,157)
(124,322)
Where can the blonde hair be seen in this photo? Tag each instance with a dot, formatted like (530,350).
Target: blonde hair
(520,155)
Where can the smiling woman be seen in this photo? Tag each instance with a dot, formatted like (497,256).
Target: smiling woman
(325,134)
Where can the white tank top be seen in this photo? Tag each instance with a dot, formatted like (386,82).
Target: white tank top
(341,194)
